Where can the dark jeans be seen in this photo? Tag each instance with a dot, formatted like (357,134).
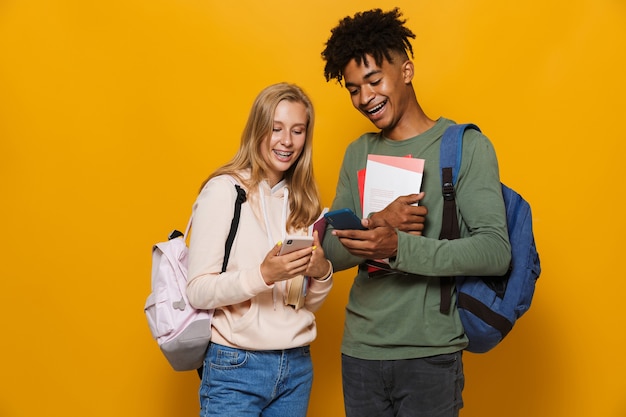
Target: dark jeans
(424,387)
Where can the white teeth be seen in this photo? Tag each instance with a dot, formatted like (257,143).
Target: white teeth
(377,108)
(283,153)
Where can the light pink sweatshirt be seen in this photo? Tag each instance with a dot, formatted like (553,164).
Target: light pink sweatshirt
(249,314)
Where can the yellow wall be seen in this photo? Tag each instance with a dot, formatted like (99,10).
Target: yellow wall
(112,113)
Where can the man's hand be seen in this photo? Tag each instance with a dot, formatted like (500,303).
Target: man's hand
(401,214)
(380,241)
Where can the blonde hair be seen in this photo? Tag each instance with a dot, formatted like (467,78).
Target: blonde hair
(304,199)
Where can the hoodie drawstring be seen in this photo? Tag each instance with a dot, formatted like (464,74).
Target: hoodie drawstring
(270,237)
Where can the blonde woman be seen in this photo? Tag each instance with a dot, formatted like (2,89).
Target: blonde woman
(258,362)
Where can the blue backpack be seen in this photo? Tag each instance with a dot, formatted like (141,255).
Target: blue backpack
(488,306)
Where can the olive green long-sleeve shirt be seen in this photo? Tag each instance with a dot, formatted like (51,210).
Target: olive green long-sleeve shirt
(397,316)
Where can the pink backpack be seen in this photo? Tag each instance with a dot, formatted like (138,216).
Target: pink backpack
(181,331)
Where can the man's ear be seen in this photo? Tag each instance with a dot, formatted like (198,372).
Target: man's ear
(408,71)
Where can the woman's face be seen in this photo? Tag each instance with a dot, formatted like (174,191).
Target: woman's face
(282,148)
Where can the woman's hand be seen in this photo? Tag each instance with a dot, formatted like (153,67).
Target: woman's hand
(319,267)
(276,267)
(309,261)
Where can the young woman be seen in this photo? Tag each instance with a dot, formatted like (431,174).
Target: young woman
(258,362)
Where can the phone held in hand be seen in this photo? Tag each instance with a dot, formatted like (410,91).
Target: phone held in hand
(343,219)
(294,243)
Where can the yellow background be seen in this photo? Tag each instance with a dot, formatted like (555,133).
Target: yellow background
(112,113)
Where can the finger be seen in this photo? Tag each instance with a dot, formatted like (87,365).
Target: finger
(352,243)
(350,234)
(297,266)
(374,222)
(316,241)
(410,199)
(317,253)
(298,258)
(317,250)
(276,249)
(413,214)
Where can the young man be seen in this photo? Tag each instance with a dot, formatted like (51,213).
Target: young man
(401,356)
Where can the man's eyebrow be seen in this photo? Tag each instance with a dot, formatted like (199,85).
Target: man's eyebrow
(365,77)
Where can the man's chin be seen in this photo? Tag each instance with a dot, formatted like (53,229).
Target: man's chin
(380,123)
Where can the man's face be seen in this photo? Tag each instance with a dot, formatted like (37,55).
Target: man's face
(379,93)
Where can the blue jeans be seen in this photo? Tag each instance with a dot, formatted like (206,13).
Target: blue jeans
(274,383)
(423,387)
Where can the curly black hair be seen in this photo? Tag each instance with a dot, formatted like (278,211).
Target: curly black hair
(373,32)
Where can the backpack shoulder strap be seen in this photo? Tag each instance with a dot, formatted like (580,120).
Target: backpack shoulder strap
(234,224)
(450,152)
(451,148)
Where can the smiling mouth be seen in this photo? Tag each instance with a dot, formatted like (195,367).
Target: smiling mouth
(377,108)
(283,154)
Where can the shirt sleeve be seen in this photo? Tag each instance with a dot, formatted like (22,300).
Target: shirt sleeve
(484,247)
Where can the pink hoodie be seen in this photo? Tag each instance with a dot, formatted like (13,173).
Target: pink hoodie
(249,314)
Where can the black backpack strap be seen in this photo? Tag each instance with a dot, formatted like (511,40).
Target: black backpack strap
(450,222)
(234,224)
(450,231)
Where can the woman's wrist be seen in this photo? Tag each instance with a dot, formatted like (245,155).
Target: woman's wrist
(327,274)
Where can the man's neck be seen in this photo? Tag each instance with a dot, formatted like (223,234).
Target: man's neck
(414,122)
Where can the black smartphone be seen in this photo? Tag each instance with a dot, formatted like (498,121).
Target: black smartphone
(344,219)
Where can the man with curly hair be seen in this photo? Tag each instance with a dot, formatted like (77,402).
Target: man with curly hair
(401,351)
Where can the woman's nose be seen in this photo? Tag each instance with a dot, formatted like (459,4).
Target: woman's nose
(286,139)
